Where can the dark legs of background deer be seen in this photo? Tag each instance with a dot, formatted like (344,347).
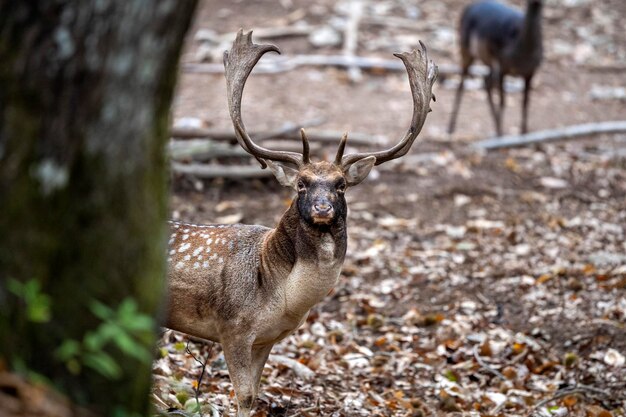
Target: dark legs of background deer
(527,88)
(457,100)
(500,80)
(489,79)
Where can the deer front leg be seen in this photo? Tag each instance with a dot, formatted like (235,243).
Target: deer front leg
(259,358)
(238,355)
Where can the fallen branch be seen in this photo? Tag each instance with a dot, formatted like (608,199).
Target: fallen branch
(322,136)
(288,128)
(283,63)
(301,370)
(204,149)
(259,33)
(569,132)
(221,171)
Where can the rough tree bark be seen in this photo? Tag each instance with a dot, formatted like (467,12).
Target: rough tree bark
(85,90)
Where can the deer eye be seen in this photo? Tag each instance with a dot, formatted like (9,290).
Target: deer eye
(301,186)
(341,187)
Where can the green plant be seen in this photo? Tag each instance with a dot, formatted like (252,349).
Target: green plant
(37,303)
(126,328)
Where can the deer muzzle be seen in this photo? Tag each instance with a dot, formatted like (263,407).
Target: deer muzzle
(322,212)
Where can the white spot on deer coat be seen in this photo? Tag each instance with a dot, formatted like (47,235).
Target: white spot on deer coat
(209,241)
(184,247)
(187,257)
(179,265)
(173,251)
(185,236)
(198,250)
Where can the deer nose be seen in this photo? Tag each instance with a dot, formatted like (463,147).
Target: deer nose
(322,208)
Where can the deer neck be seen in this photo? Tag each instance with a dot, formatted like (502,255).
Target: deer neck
(303,261)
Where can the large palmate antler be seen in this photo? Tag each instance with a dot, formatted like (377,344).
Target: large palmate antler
(422,75)
(243,56)
(238,63)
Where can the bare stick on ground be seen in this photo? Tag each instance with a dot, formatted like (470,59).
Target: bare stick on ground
(565,133)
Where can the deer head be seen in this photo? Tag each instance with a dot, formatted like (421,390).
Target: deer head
(321,185)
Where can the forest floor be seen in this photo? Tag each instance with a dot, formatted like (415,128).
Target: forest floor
(476,283)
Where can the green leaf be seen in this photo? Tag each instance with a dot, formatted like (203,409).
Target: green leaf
(132,348)
(102,311)
(94,341)
(138,323)
(39,309)
(450,375)
(103,364)
(37,303)
(182,397)
(16,287)
(127,308)
(68,349)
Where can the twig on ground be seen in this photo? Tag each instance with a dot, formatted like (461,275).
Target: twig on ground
(485,366)
(197,387)
(301,370)
(579,389)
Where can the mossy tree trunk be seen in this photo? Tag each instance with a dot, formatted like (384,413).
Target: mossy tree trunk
(85,90)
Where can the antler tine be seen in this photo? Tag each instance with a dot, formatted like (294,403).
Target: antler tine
(422,75)
(342,147)
(305,147)
(238,64)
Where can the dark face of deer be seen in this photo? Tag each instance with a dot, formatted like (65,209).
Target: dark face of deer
(321,187)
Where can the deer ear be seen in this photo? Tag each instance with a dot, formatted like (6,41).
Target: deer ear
(359,170)
(285,175)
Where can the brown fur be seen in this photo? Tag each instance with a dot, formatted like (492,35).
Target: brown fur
(249,287)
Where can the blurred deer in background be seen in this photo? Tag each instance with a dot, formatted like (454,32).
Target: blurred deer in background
(249,287)
(505,40)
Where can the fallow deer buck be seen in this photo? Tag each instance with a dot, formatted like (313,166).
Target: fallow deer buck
(508,42)
(248,287)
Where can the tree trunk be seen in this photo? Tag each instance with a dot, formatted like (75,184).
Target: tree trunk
(85,90)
